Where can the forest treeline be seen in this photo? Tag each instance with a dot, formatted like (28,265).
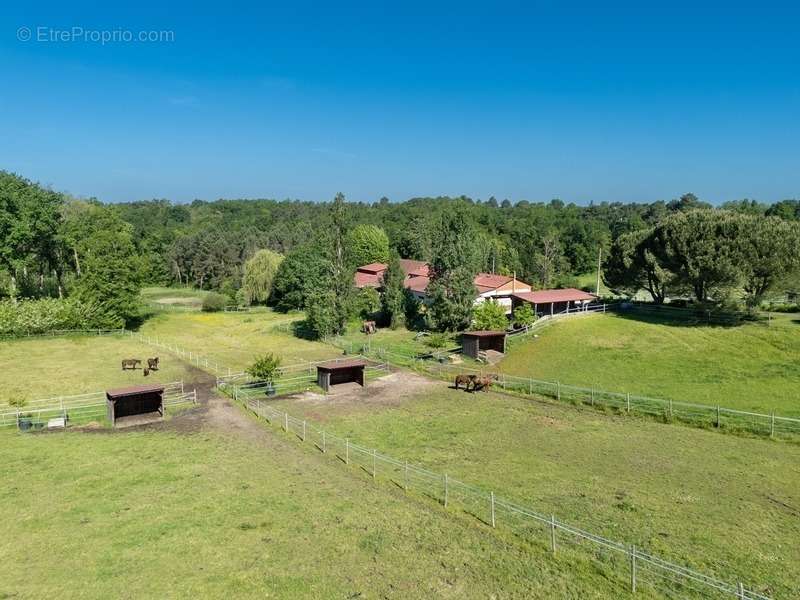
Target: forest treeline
(56,246)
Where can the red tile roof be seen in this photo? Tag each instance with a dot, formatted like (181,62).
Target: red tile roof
(373,268)
(362,280)
(491,281)
(547,296)
(417,284)
(414,268)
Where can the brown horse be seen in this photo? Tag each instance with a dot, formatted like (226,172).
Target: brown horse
(146,371)
(467,380)
(131,363)
(152,364)
(484,383)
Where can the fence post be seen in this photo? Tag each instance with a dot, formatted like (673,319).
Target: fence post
(553,533)
(530,387)
(772,425)
(181,386)
(592,396)
(740,591)
(558,390)
(304,431)
(445,490)
(286,421)
(347,451)
(374,460)
(633,569)
(324,443)
(258,408)
(492,498)
(670,409)
(405,478)
(717,416)
(628,401)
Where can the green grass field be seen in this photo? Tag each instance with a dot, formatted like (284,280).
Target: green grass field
(723,504)
(38,368)
(750,367)
(209,515)
(233,339)
(174,296)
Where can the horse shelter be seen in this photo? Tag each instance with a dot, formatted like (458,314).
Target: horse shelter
(475,342)
(339,371)
(135,405)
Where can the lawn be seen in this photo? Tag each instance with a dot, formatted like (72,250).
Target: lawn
(234,339)
(184,297)
(752,367)
(723,504)
(209,515)
(35,368)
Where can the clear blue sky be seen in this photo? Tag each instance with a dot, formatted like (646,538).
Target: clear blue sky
(533,100)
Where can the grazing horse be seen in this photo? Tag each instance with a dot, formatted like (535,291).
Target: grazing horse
(368,327)
(146,371)
(152,364)
(466,380)
(483,383)
(131,363)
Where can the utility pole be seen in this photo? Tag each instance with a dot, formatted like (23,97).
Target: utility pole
(599,259)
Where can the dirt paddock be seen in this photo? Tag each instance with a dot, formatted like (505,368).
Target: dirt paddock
(390,390)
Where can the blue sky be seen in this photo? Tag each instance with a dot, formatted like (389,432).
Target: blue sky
(531,100)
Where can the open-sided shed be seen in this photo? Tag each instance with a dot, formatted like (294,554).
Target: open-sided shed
(475,342)
(138,403)
(339,371)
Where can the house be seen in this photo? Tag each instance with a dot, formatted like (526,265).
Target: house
(489,285)
(550,302)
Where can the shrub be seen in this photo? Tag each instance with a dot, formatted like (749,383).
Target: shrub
(437,340)
(215,302)
(368,302)
(28,317)
(265,367)
(524,315)
(489,315)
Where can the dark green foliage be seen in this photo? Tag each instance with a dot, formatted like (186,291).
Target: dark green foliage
(393,299)
(367,303)
(321,318)
(366,244)
(489,315)
(437,340)
(524,315)
(265,367)
(453,266)
(28,317)
(214,302)
(302,272)
(111,276)
(259,275)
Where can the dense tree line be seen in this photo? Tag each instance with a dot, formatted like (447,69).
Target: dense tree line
(301,255)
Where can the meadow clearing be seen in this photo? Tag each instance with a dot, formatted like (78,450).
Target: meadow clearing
(723,504)
(36,368)
(753,367)
(297,524)
(234,339)
(230,509)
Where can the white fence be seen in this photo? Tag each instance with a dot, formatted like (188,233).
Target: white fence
(635,566)
(80,407)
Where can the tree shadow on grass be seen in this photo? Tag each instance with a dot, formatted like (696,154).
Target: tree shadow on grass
(687,318)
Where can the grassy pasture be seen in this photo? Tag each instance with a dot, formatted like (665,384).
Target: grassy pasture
(751,367)
(233,339)
(174,296)
(35,368)
(723,504)
(209,515)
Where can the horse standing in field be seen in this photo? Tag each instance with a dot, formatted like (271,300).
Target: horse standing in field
(483,383)
(131,363)
(467,380)
(152,364)
(146,371)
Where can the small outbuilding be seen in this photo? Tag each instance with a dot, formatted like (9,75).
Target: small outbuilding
(135,405)
(475,342)
(338,371)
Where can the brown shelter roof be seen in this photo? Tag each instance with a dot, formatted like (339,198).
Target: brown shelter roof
(134,390)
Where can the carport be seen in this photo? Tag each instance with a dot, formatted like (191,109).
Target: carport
(475,342)
(339,371)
